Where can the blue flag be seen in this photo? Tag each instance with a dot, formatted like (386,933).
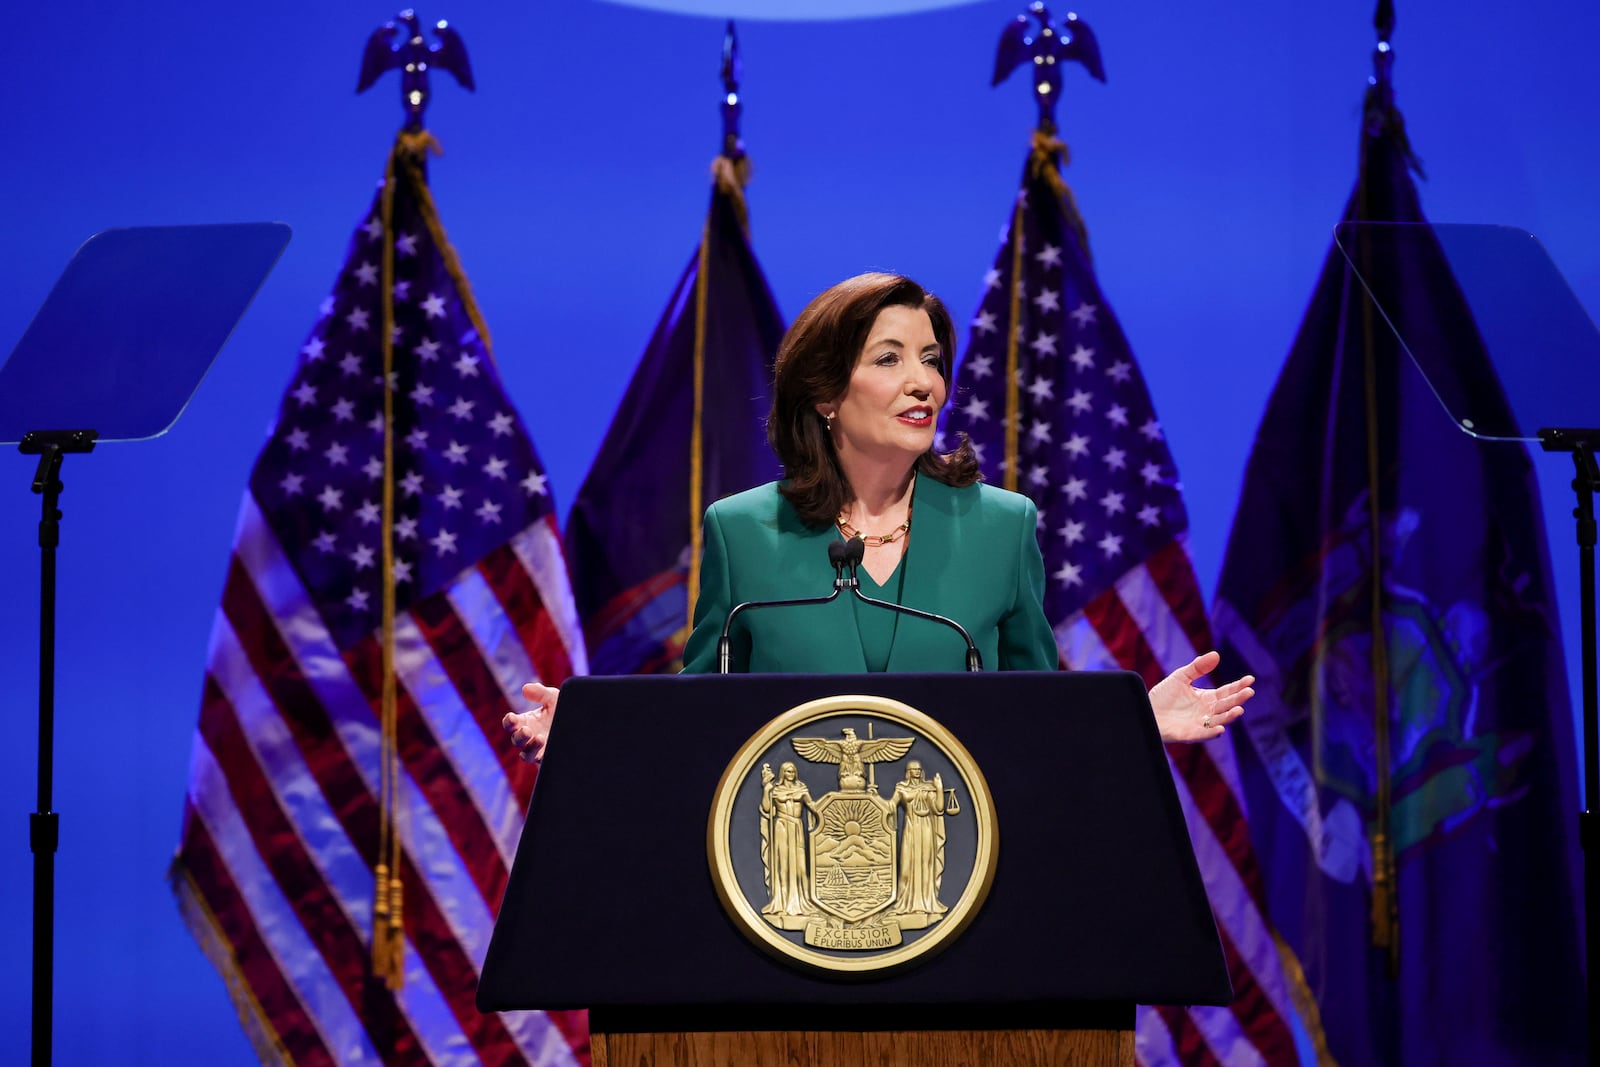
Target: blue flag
(1408,762)
(690,429)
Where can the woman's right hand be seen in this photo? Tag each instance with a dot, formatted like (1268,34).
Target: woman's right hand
(530,729)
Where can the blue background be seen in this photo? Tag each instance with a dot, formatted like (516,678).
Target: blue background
(1211,170)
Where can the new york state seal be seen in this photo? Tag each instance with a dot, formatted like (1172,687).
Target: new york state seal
(889,864)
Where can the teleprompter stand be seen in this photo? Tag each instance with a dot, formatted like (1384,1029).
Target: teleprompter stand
(120,345)
(1545,351)
(1584,444)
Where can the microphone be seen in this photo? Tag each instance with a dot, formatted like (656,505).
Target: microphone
(846,554)
(838,555)
(854,551)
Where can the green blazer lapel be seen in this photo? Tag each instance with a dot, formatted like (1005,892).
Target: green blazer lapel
(831,629)
(835,630)
(928,576)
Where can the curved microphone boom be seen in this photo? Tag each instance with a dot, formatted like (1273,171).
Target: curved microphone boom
(837,555)
(853,553)
(843,555)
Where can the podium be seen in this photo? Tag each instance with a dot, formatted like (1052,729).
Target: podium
(1095,902)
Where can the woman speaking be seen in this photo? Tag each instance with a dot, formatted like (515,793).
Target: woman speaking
(857,387)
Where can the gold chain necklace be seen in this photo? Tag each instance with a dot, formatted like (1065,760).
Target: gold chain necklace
(874,540)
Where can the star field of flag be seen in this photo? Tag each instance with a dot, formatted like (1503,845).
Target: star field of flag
(466,475)
(1091,453)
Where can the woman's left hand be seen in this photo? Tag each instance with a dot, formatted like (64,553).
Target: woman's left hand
(1185,713)
(531,729)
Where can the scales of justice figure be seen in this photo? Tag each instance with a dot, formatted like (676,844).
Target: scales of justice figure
(859,880)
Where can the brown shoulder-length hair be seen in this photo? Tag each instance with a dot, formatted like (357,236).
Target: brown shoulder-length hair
(814,364)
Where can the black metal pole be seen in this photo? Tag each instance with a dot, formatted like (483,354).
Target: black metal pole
(1583,443)
(43,824)
(44,827)
(1584,483)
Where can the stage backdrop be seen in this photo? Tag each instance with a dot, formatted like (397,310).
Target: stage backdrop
(1210,170)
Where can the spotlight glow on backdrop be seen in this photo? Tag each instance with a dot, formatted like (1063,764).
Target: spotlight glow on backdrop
(794,10)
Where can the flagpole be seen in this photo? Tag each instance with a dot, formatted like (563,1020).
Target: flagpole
(1584,444)
(1585,481)
(44,825)
(729,171)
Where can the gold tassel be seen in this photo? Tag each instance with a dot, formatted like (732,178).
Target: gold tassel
(731,176)
(380,895)
(1385,900)
(394,903)
(1048,156)
(411,149)
(394,971)
(1385,916)
(418,143)
(1013,321)
(388,944)
(385,948)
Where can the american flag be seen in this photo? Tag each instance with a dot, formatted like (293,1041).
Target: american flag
(284,811)
(1054,403)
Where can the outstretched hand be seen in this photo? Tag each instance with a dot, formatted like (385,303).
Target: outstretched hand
(530,729)
(1185,713)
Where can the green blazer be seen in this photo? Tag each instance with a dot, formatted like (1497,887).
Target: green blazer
(973,556)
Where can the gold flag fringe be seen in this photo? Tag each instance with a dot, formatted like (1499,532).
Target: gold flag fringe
(207,930)
(1305,1002)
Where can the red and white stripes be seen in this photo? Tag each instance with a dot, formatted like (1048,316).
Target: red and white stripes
(274,870)
(1153,621)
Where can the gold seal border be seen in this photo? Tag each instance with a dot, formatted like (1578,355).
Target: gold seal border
(749,920)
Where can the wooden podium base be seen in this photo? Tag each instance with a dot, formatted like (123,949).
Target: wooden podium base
(885,1048)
